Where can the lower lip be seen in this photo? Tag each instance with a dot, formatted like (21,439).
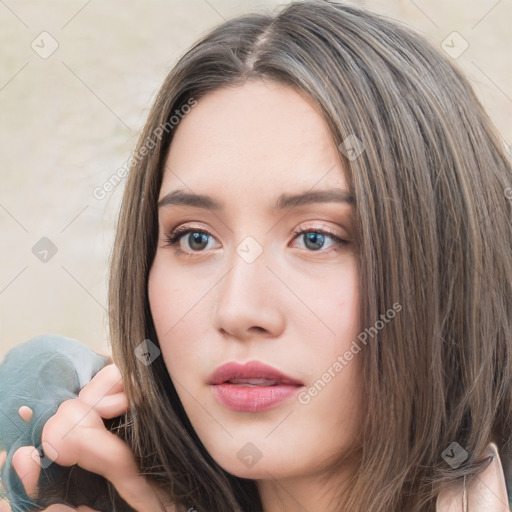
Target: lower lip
(252,398)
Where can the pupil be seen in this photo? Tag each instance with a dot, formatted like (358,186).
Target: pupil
(314,238)
(197,238)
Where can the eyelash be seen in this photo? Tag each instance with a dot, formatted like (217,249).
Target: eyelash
(173,238)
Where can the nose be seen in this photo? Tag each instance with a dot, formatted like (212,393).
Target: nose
(249,302)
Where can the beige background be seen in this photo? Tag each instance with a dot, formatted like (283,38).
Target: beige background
(69,121)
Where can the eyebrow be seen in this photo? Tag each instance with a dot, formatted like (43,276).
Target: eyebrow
(180,197)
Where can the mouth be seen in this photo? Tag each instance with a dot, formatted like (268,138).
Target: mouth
(252,382)
(252,387)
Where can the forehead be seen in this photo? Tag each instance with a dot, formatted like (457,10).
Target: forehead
(263,137)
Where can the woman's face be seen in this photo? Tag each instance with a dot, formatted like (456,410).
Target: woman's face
(241,291)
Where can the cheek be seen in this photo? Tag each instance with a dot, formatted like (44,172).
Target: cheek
(171,298)
(166,303)
(161,297)
(340,305)
(176,311)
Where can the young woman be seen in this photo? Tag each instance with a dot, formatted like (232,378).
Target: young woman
(311,284)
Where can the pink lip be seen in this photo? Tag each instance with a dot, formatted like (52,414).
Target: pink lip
(251,396)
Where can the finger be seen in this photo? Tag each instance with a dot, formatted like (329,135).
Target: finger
(134,489)
(117,464)
(111,406)
(105,393)
(26,462)
(25,413)
(78,436)
(107,381)
(3,457)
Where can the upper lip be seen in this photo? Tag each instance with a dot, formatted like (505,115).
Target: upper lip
(251,370)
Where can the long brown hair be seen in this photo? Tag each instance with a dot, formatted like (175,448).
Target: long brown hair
(434,235)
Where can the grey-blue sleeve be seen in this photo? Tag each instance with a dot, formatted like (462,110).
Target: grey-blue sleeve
(40,373)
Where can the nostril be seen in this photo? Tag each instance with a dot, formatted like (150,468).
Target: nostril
(258,329)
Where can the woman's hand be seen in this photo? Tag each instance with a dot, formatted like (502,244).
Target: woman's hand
(487,492)
(76,434)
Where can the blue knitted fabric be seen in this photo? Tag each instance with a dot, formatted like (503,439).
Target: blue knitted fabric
(41,374)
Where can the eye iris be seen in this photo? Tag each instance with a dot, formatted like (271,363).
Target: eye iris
(315,238)
(198,238)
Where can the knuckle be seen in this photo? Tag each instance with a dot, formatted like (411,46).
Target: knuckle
(68,413)
(71,410)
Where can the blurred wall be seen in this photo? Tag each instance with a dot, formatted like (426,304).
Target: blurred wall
(77,79)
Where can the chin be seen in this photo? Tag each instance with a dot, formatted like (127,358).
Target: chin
(256,461)
(261,470)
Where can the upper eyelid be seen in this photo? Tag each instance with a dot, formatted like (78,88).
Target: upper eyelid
(302,226)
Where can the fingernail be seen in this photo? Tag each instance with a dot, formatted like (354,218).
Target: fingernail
(25,413)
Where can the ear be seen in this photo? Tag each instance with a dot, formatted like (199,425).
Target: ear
(487,492)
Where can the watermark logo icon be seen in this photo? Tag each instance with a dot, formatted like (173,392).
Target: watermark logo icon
(45,45)
(146,352)
(454,45)
(249,454)
(44,250)
(249,249)
(44,454)
(351,147)
(454,455)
